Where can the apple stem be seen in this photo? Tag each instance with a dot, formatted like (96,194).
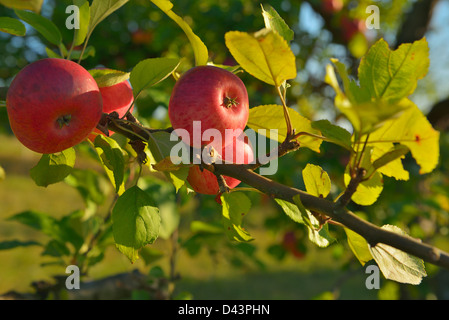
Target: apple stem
(230,102)
(64,120)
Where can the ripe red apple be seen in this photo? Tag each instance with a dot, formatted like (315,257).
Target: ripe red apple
(239,151)
(53,104)
(213,96)
(118,98)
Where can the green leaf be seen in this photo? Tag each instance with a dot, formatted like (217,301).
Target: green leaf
(393,75)
(108,77)
(368,191)
(235,206)
(100,10)
(12,244)
(113,160)
(150,72)
(42,25)
(89,52)
(413,130)
(160,147)
(359,246)
(274,21)
(12,26)
(272,117)
(84,16)
(316,180)
(34,5)
(333,133)
(265,55)
(89,184)
(291,210)
(53,168)
(165,199)
(365,113)
(199,49)
(397,265)
(136,222)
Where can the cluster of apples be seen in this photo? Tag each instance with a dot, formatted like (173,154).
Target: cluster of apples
(54,104)
(216,99)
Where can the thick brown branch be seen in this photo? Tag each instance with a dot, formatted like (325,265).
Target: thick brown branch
(372,233)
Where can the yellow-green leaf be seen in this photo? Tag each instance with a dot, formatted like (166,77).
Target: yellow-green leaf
(368,191)
(12,26)
(272,117)
(393,75)
(316,180)
(397,265)
(265,55)
(108,77)
(199,48)
(359,246)
(413,130)
(33,5)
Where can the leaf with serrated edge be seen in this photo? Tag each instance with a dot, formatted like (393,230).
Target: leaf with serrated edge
(397,265)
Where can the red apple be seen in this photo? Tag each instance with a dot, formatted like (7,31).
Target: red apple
(53,104)
(239,152)
(214,97)
(118,98)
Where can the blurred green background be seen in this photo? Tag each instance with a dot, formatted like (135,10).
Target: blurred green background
(212,267)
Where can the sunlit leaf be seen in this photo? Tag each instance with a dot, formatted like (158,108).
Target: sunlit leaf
(272,117)
(397,265)
(108,77)
(84,16)
(393,75)
(413,130)
(359,246)
(199,49)
(275,22)
(367,192)
(265,55)
(33,5)
(316,180)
